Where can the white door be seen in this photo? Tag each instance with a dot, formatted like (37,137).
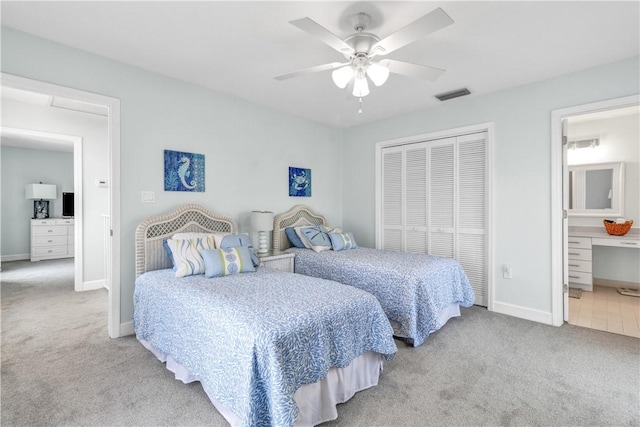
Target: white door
(392,199)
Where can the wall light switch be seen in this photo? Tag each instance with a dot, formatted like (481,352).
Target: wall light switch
(506,271)
(148,196)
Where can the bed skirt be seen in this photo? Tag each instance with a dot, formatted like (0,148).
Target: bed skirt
(316,402)
(447,313)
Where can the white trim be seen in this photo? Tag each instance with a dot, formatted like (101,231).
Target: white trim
(126,328)
(16,257)
(93,285)
(557,172)
(113,104)
(442,134)
(523,312)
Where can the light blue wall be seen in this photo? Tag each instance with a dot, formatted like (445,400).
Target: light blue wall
(521,173)
(247,148)
(22,166)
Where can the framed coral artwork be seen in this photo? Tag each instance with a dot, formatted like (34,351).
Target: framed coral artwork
(183,171)
(299,182)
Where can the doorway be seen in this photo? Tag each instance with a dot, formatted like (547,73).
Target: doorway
(561,139)
(112,106)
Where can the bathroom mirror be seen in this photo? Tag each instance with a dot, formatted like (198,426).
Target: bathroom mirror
(596,190)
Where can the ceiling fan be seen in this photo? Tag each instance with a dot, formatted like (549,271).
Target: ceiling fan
(361,48)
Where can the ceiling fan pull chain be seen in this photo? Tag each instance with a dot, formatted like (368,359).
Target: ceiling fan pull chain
(360,105)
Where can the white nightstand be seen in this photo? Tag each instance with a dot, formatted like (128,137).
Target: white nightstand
(277,260)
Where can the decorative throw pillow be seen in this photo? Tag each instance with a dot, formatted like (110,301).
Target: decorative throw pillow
(293,237)
(186,255)
(222,262)
(342,241)
(314,237)
(237,241)
(165,245)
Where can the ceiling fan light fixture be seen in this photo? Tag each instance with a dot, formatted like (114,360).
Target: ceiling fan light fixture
(378,73)
(360,85)
(342,76)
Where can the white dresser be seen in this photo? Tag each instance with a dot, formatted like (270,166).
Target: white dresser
(52,238)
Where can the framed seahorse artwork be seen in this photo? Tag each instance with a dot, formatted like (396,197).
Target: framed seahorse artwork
(299,182)
(183,171)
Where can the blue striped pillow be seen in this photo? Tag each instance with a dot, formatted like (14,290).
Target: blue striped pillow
(222,262)
(342,241)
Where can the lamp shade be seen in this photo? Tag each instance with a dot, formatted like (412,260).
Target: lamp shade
(360,87)
(40,191)
(342,76)
(262,220)
(378,73)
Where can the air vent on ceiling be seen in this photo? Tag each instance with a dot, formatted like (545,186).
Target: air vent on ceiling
(453,94)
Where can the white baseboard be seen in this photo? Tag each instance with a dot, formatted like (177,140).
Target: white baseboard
(615,283)
(93,285)
(126,328)
(523,312)
(18,257)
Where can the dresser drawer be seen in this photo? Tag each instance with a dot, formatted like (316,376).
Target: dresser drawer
(53,230)
(580,277)
(39,251)
(579,242)
(49,240)
(43,222)
(580,265)
(64,221)
(579,254)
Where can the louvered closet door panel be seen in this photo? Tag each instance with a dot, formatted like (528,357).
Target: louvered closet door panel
(416,198)
(392,202)
(472,211)
(471,256)
(441,198)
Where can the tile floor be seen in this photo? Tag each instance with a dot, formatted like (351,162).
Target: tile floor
(606,310)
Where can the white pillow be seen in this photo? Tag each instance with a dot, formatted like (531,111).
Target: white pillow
(186,254)
(195,235)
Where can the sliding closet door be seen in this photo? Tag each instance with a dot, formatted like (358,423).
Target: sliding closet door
(472,211)
(392,199)
(434,201)
(442,198)
(415,216)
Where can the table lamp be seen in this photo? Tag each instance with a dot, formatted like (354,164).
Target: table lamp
(262,221)
(41,194)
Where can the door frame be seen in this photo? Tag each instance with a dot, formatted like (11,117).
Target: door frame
(113,175)
(559,174)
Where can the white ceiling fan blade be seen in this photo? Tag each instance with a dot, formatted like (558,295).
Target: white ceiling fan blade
(316,69)
(310,26)
(413,70)
(421,27)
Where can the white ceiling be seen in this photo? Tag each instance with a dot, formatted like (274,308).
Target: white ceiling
(238,47)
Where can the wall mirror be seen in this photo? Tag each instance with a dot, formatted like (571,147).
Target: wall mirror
(596,189)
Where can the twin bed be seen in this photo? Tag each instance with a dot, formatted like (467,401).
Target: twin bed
(269,347)
(419,293)
(277,348)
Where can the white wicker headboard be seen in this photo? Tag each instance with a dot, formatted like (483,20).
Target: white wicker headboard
(298,215)
(150,255)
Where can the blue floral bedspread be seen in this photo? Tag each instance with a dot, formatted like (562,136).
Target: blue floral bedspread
(253,339)
(412,288)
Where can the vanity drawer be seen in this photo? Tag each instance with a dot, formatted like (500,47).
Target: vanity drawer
(580,277)
(580,254)
(580,265)
(579,242)
(621,243)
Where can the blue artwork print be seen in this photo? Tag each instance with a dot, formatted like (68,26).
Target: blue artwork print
(183,171)
(299,182)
